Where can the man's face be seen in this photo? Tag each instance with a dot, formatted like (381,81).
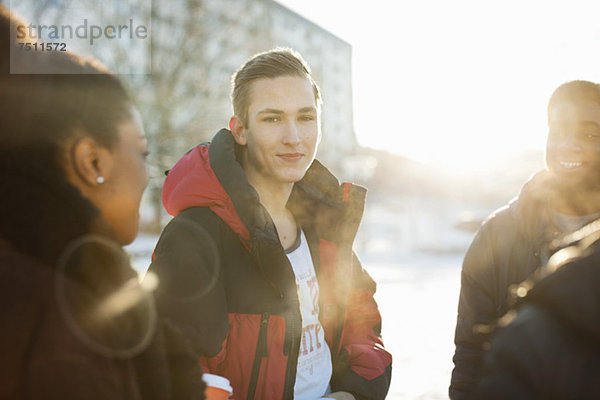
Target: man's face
(282,130)
(573,145)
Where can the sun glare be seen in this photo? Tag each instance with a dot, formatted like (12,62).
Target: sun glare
(465,84)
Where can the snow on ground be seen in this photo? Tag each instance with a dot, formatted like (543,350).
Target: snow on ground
(417,299)
(140,252)
(414,252)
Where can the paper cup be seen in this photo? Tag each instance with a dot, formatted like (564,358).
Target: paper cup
(217,387)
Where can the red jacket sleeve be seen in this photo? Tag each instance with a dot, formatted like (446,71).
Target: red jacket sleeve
(364,365)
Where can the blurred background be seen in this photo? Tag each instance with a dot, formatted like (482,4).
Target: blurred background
(438,107)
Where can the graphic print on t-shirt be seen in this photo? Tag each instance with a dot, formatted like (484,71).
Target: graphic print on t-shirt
(314,360)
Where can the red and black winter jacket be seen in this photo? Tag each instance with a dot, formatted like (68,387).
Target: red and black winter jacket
(227,284)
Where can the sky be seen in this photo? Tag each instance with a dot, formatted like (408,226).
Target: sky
(460,82)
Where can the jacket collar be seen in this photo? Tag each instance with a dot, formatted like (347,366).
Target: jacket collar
(232,177)
(318,200)
(532,210)
(211,176)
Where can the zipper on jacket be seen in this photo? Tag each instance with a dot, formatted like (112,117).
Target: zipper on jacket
(288,392)
(261,351)
(292,350)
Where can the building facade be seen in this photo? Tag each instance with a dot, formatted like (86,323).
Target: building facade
(192,50)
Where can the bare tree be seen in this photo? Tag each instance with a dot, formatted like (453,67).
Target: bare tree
(191,51)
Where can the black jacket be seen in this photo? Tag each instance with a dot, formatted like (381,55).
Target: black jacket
(59,272)
(511,244)
(229,287)
(551,350)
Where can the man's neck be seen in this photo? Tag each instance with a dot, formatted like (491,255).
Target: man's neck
(274,198)
(577,203)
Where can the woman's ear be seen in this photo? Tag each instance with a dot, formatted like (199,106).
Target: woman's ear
(91,162)
(238,130)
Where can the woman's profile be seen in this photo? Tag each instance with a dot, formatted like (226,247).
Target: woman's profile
(76,322)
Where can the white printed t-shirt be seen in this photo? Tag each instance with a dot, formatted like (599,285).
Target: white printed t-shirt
(314,359)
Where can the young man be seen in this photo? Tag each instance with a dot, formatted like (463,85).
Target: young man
(257,268)
(515,240)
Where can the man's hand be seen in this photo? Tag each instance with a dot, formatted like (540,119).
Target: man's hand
(339,396)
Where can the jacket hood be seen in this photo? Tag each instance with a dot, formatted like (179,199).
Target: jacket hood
(192,182)
(211,176)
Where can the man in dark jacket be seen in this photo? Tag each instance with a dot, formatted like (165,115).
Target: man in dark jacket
(550,348)
(257,268)
(514,241)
